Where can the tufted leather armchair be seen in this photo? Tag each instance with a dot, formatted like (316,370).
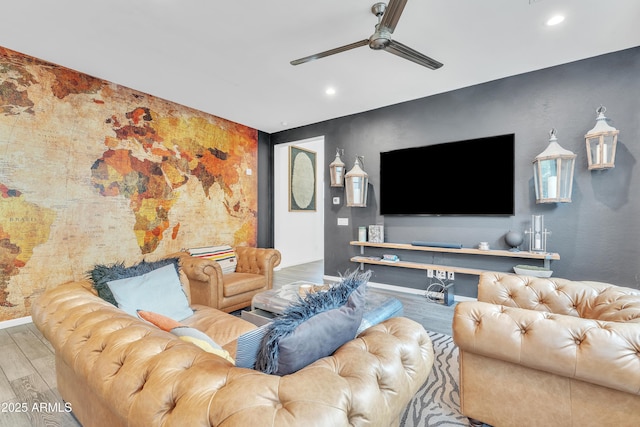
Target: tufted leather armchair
(549,352)
(232,291)
(117,370)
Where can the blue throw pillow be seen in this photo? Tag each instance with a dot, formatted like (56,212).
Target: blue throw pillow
(159,291)
(314,327)
(101,274)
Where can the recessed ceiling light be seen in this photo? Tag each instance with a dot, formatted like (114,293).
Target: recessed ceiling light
(330,91)
(555,20)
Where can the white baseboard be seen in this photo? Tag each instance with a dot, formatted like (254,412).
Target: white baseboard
(15,322)
(463,298)
(402,289)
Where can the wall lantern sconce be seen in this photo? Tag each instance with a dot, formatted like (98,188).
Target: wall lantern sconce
(601,143)
(336,170)
(357,183)
(553,172)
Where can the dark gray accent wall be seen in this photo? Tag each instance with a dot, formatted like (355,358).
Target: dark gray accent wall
(265,191)
(597,235)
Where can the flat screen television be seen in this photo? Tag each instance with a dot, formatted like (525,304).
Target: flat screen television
(470,177)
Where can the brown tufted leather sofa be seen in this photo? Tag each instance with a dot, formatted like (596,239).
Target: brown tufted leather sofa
(117,370)
(232,291)
(549,352)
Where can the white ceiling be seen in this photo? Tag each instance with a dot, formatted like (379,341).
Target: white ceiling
(231,58)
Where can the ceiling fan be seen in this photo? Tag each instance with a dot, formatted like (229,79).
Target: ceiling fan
(388,17)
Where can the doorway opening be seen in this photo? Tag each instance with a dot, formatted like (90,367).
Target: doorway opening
(298,234)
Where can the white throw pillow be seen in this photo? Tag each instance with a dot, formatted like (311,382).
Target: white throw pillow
(159,291)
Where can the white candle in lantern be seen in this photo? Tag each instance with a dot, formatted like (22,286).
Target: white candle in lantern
(537,244)
(552,186)
(357,197)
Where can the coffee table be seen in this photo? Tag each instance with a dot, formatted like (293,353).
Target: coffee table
(267,305)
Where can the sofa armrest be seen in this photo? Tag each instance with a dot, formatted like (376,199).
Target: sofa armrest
(604,353)
(205,279)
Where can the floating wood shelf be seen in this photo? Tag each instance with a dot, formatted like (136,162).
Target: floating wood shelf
(546,257)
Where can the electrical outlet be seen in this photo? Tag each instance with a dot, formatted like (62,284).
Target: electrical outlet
(451,275)
(343,221)
(430,274)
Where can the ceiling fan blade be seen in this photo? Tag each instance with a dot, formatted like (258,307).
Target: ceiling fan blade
(392,14)
(406,52)
(330,52)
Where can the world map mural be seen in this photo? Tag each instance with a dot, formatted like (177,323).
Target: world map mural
(95,173)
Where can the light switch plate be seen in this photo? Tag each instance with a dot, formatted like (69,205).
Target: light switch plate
(343,221)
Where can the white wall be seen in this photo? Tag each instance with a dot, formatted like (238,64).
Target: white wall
(299,236)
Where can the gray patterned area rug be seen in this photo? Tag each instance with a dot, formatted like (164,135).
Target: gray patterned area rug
(437,403)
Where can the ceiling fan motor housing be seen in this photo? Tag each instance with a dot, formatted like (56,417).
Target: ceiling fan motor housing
(379,40)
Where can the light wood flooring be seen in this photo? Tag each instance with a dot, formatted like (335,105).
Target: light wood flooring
(28,394)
